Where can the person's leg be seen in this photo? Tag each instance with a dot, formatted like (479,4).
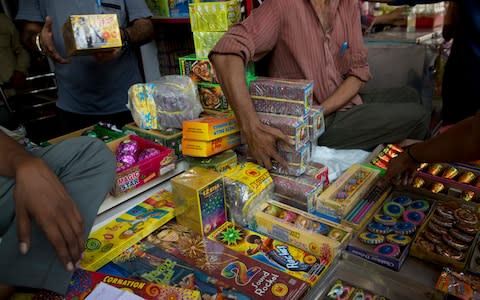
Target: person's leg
(392,95)
(86,167)
(368,125)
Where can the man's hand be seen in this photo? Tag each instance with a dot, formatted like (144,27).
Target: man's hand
(107,55)
(401,170)
(47,42)
(41,197)
(262,144)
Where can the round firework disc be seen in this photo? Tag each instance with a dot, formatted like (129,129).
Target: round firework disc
(421,205)
(403,200)
(378,228)
(436,228)
(466,216)
(336,234)
(414,216)
(385,220)
(387,249)
(445,211)
(461,236)
(371,238)
(399,239)
(404,228)
(441,221)
(320,228)
(393,209)
(432,237)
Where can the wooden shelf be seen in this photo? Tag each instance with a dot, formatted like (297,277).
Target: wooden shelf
(167,20)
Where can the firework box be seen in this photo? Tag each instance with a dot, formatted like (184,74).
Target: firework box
(344,290)
(212,97)
(296,128)
(205,41)
(97,131)
(209,128)
(214,16)
(343,194)
(199,197)
(418,246)
(300,229)
(110,240)
(279,255)
(370,251)
(318,171)
(144,171)
(84,282)
(150,263)
(461,286)
(86,34)
(316,123)
(208,148)
(220,163)
(299,192)
(241,272)
(170,138)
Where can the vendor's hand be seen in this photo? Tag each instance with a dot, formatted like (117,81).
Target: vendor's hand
(262,144)
(401,170)
(47,42)
(41,197)
(107,55)
(18,79)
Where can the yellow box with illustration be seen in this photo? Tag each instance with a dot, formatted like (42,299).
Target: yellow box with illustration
(208,148)
(209,128)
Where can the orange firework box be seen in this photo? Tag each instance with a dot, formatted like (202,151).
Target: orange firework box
(84,282)
(209,128)
(208,148)
(110,240)
(86,34)
(281,256)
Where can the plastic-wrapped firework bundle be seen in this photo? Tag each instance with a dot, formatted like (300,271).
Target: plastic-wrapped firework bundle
(297,161)
(246,186)
(282,96)
(316,123)
(165,103)
(298,192)
(294,127)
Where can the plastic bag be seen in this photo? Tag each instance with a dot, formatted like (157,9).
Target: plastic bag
(165,103)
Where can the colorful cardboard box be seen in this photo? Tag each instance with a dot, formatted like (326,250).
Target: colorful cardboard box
(386,239)
(241,272)
(85,34)
(144,171)
(283,257)
(342,195)
(110,240)
(209,128)
(296,128)
(152,264)
(297,161)
(212,97)
(214,16)
(220,163)
(300,192)
(171,138)
(300,229)
(208,148)
(199,197)
(316,123)
(84,282)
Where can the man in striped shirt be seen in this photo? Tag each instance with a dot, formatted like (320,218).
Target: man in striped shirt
(319,40)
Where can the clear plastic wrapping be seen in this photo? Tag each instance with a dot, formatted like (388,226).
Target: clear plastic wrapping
(246,186)
(165,103)
(294,127)
(297,161)
(282,96)
(299,192)
(214,16)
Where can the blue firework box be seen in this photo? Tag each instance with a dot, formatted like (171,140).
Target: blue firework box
(387,237)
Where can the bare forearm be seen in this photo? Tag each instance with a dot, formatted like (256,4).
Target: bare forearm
(140,32)
(230,70)
(29,32)
(12,153)
(344,93)
(461,143)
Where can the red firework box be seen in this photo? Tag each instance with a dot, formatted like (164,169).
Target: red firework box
(84,282)
(237,271)
(288,259)
(145,170)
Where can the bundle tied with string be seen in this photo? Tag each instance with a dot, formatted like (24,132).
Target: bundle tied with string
(165,103)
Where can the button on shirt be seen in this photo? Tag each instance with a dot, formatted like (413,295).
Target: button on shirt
(86,86)
(299,48)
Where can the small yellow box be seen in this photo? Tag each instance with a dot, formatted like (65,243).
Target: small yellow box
(208,148)
(209,128)
(199,198)
(85,34)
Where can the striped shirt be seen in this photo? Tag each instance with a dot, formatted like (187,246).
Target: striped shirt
(290,32)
